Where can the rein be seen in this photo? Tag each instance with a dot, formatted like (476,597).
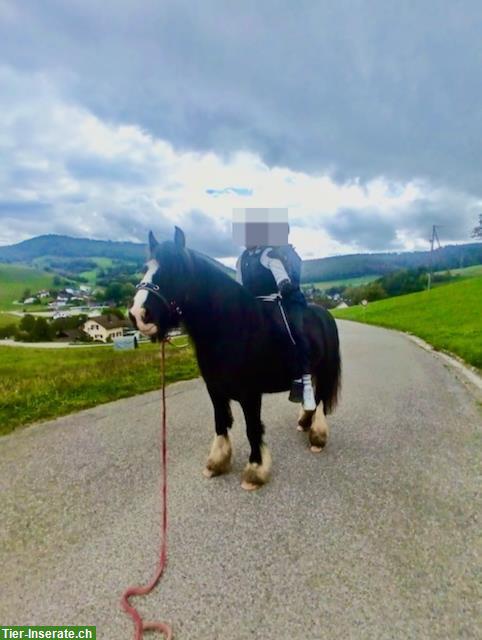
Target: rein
(141,626)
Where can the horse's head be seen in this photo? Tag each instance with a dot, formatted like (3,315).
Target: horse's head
(156,305)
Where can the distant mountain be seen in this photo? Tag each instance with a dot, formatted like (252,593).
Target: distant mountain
(362,264)
(58,246)
(337,267)
(67,247)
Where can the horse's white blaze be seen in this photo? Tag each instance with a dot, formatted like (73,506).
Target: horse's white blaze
(137,309)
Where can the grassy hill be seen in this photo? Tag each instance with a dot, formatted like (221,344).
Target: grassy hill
(67,247)
(14,279)
(347,282)
(448,317)
(467,272)
(362,264)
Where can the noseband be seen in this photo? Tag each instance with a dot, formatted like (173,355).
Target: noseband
(171,306)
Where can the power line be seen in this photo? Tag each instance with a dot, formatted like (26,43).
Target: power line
(435,237)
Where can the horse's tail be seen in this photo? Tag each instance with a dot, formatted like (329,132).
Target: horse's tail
(327,369)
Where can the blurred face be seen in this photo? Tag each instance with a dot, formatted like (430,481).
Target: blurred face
(257,227)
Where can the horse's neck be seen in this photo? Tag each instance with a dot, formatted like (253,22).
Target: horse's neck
(213,310)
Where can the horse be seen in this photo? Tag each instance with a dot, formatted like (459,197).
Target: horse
(238,348)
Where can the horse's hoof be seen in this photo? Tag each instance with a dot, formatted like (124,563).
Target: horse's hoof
(250,486)
(299,428)
(316,449)
(208,473)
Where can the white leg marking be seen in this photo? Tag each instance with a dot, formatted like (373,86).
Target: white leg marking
(219,460)
(305,419)
(255,475)
(318,433)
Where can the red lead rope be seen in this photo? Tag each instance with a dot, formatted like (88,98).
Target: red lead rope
(141,626)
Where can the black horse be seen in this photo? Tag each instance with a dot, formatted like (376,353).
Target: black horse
(239,346)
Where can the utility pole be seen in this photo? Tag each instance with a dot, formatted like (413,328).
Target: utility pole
(435,236)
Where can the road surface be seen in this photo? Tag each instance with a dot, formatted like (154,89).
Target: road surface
(375,538)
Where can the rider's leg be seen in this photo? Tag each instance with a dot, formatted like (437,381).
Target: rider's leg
(301,390)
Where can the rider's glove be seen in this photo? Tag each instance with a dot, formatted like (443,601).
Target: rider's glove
(286,288)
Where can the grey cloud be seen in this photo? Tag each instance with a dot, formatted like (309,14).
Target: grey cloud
(365,229)
(362,90)
(106,170)
(23,209)
(452,212)
(203,234)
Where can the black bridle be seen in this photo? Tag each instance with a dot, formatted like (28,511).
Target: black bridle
(172,306)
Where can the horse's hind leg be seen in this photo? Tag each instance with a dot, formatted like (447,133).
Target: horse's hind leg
(219,459)
(257,471)
(305,418)
(318,431)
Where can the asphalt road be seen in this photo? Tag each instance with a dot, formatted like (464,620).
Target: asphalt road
(377,537)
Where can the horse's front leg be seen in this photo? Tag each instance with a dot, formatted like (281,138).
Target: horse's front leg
(257,471)
(219,459)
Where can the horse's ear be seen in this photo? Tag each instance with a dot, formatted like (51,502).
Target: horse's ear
(153,244)
(179,238)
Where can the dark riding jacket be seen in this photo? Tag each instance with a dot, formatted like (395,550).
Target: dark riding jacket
(265,270)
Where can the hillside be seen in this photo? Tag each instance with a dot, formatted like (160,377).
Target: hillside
(65,248)
(14,279)
(448,317)
(318,270)
(356,265)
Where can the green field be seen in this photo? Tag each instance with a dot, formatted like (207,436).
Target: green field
(8,318)
(448,317)
(38,384)
(102,263)
(14,279)
(346,282)
(467,272)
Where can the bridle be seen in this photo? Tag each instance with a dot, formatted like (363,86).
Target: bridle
(172,306)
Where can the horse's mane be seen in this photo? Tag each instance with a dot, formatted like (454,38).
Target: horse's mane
(214,271)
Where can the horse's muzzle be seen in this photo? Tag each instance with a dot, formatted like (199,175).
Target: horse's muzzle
(139,320)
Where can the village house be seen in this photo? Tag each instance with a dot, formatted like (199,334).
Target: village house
(105,328)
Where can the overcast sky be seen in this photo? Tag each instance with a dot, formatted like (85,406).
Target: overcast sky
(363,117)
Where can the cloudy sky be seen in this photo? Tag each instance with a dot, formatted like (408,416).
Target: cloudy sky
(363,117)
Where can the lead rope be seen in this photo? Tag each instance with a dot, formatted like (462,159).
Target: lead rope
(141,626)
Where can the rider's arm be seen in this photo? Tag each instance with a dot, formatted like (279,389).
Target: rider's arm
(275,266)
(239,276)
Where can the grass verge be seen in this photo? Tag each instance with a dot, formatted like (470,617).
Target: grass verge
(448,317)
(40,384)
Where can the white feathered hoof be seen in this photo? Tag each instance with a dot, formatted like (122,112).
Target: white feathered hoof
(318,435)
(256,475)
(305,419)
(219,460)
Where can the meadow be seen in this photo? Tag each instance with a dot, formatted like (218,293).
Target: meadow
(39,384)
(346,282)
(467,272)
(449,317)
(14,279)
(8,318)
